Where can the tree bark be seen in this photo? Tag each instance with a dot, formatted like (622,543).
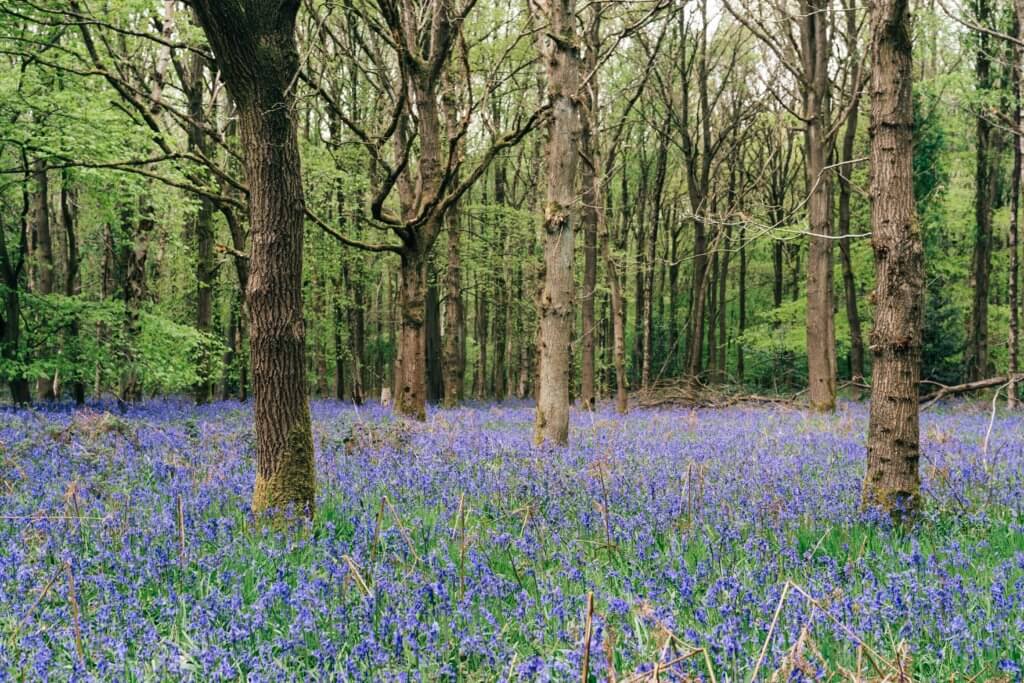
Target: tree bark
(411,385)
(892,481)
(845,191)
(821,335)
(435,381)
(1012,399)
(588,216)
(976,354)
(561,62)
(651,260)
(454,319)
(72,282)
(136,254)
(206,266)
(43,248)
(257,55)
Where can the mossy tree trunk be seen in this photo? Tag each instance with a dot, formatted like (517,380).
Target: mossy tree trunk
(256,52)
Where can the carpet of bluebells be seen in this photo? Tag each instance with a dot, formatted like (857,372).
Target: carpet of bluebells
(454,550)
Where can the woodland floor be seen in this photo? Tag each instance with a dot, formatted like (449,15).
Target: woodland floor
(453,550)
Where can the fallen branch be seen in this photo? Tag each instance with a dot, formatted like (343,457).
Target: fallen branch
(945,390)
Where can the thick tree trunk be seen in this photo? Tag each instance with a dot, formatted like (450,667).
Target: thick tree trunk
(411,382)
(556,296)
(976,354)
(257,55)
(892,482)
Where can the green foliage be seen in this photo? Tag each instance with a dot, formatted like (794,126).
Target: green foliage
(166,357)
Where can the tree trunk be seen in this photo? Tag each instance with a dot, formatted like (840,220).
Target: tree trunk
(206,266)
(454,319)
(482,326)
(435,381)
(651,260)
(742,303)
(43,253)
(821,335)
(845,190)
(976,354)
(257,55)
(892,482)
(356,317)
(339,345)
(206,273)
(588,216)
(695,342)
(135,292)
(411,382)
(72,282)
(723,331)
(556,295)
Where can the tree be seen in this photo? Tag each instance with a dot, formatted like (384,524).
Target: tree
(976,355)
(892,481)
(256,52)
(559,50)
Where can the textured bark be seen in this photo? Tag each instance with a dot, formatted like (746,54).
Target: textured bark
(136,254)
(892,481)
(976,353)
(411,382)
(821,334)
(845,191)
(43,253)
(555,303)
(454,317)
(256,52)
(591,196)
(435,381)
